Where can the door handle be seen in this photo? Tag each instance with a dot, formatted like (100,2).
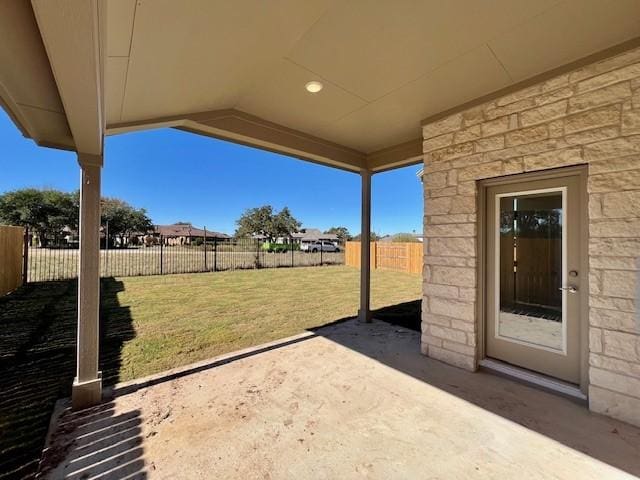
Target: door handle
(569,288)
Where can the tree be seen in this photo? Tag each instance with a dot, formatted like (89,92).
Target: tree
(373,236)
(44,212)
(263,221)
(48,212)
(284,224)
(123,219)
(341,232)
(405,238)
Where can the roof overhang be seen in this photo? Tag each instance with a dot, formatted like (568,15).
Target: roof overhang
(87,68)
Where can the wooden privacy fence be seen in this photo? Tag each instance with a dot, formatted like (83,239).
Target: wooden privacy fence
(402,257)
(11,261)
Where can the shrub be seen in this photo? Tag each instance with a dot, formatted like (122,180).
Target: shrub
(279,247)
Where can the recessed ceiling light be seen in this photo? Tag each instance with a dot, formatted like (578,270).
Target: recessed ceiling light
(313,86)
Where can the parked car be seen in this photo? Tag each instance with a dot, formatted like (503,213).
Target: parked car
(323,245)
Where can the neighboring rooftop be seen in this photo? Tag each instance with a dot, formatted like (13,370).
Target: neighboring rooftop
(186,230)
(311,234)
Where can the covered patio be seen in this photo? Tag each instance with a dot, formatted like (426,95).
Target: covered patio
(345,401)
(481,92)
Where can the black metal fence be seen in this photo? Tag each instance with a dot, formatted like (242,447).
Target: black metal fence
(61,263)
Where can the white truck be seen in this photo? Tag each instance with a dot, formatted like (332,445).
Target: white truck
(324,246)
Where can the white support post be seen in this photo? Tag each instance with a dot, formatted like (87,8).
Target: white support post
(87,386)
(364,314)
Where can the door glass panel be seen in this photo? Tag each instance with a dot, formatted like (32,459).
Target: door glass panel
(530,268)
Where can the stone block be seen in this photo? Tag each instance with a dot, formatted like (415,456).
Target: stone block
(445,125)
(595,340)
(599,117)
(461,277)
(615,382)
(490,143)
(434,290)
(614,76)
(434,179)
(468,134)
(438,142)
(614,404)
(552,159)
(615,365)
(544,113)
(527,135)
(631,122)
(447,333)
(614,182)
(482,170)
(612,94)
(617,247)
(554,96)
(437,206)
(457,247)
(462,348)
(495,127)
(613,320)
(622,345)
(519,95)
(463,204)
(515,107)
(620,283)
(459,309)
(453,358)
(606,65)
(451,230)
(473,116)
(624,228)
(592,136)
(618,164)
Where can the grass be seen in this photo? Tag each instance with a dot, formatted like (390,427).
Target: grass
(179,319)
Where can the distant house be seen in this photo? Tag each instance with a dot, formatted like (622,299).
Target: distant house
(311,235)
(304,236)
(184,234)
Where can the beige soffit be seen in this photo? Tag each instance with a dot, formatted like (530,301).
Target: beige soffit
(28,90)
(245,129)
(71,33)
(386,65)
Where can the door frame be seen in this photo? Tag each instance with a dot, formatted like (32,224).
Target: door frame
(481,301)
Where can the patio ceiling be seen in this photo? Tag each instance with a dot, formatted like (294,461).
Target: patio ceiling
(237,70)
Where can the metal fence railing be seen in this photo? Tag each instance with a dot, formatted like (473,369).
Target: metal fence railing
(59,263)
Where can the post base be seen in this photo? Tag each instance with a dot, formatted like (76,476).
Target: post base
(364,316)
(86,394)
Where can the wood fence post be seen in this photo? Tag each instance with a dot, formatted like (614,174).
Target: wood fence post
(25,256)
(374,255)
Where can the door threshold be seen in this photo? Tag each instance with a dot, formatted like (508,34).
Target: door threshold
(532,378)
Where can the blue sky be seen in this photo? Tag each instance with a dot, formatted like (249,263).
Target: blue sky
(178,176)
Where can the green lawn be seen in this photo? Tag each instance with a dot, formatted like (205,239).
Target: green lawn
(174,320)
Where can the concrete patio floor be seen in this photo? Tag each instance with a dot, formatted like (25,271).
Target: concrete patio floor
(348,401)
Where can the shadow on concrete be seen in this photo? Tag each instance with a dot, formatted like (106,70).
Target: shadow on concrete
(37,363)
(95,443)
(407,314)
(564,420)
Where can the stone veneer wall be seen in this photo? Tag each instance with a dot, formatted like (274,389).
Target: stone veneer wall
(588,116)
